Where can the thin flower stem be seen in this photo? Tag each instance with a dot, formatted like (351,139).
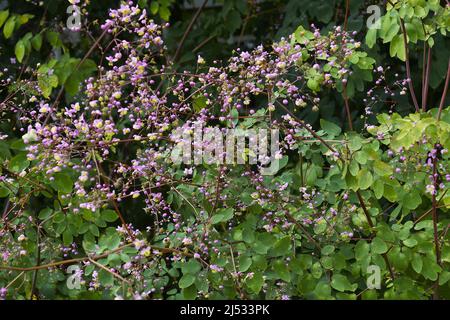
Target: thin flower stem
(435,226)
(347,108)
(408,68)
(347,12)
(188,30)
(305,126)
(444,93)
(118,276)
(370,222)
(63,262)
(98,257)
(426,81)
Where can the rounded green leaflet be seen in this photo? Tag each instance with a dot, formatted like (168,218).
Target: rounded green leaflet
(62,183)
(9,26)
(378,246)
(19,162)
(340,283)
(186,281)
(365,179)
(20,50)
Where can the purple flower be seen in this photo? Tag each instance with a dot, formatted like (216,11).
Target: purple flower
(3,292)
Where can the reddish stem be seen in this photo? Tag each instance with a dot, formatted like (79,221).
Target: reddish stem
(408,68)
(435,226)
(426,81)
(444,93)
(347,108)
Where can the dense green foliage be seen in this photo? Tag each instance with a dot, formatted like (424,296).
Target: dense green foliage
(88,122)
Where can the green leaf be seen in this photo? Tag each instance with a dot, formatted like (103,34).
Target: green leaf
(417,263)
(430,269)
(281,270)
(62,183)
(303,36)
(234,114)
(4,151)
(89,269)
(89,246)
(365,179)
(341,283)
(362,249)
(445,251)
(313,84)
(227,214)
(164,13)
(327,250)
(353,168)
(379,246)
(19,163)
(378,188)
(222,215)
(391,32)
(191,267)
(18,145)
(19,50)
(4,192)
(411,32)
(190,293)
(114,259)
(112,241)
(3,16)
(67,237)
(45,213)
(371,37)
(330,128)
(390,193)
(105,278)
(244,263)
(64,67)
(24,18)
(397,47)
(186,281)
(8,29)
(59,218)
(255,283)
(199,103)
(444,278)
(264,243)
(323,290)
(411,200)
(47,83)
(355,142)
(381,168)
(36,42)
(399,259)
(109,215)
(94,230)
(154,6)
(320,227)
(281,247)
(396,212)
(361,157)
(53,38)
(426,224)
(386,22)
(420,12)
(72,84)
(410,243)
